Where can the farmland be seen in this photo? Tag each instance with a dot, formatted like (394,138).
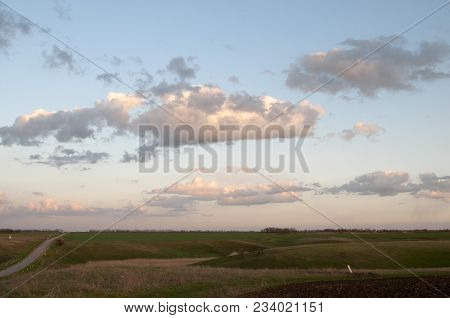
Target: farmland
(221,264)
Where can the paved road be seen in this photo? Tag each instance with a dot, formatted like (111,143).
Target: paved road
(34,255)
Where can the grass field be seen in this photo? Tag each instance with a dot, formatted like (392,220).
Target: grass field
(21,243)
(264,250)
(172,264)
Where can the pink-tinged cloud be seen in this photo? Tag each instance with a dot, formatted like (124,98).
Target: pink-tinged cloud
(255,194)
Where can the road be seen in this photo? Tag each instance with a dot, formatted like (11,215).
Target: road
(34,255)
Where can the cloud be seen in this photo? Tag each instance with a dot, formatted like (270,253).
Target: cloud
(35,157)
(434,187)
(259,194)
(269,72)
(382,183)
(393,68)
(3,198)
(431,181)
(180,67)
(116,61)
(62,10)
(142,81)
(129,157)
(38,193)
(63,156)
(164,88)
(197,105)
(361,129)
(47,205)
(389,183)
(207,105)
(51,205)
(435,195)
(233,79)
(71,125)
(107,78)
(174,203)
(11,27)
(59,58)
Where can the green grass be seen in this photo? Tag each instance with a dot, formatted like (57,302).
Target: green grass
(293,250)
(270,239)
(119,246)
(411,254)
(21,244)
(265,259)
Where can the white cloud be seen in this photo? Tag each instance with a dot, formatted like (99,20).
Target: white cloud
(362,129)
(175,203)
(206,105)
(71,125)
(50,205)
(199,106)
(258,194)
(436,195)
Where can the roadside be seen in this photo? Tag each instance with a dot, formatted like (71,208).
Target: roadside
(30,258)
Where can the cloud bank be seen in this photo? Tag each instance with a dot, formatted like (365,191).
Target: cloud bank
(243,195)
(199,106)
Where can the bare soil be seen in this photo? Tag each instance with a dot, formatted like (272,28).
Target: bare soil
(438,286)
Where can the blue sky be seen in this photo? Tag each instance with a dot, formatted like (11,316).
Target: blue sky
(219,40)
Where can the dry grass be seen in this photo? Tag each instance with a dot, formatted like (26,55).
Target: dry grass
(140,278)
(11,251)
(103,279)
(142,262)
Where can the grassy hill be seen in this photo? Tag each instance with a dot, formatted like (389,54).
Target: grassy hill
(414,254)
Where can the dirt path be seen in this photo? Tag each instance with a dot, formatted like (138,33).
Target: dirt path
(30,258)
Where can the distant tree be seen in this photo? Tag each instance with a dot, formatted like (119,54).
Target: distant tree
(278,230)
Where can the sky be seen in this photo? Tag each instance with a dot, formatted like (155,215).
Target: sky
(74,97)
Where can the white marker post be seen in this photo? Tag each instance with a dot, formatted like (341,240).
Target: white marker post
(9,236)
(349,269)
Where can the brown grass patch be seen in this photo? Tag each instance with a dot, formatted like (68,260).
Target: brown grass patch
(141,262)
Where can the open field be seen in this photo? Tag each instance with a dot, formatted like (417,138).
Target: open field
(411,254)
(21,243)
(223,264)
(136,280)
